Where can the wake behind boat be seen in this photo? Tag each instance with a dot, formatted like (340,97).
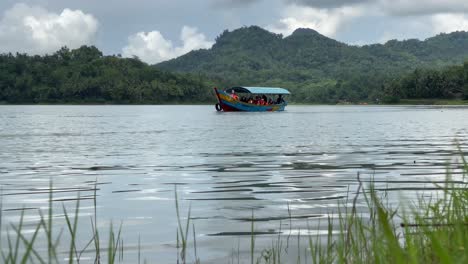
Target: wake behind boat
(251,99)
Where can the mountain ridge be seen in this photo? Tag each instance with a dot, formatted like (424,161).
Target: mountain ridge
(254,38)
(307,61)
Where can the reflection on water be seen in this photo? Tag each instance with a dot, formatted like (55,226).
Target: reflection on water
(291,168)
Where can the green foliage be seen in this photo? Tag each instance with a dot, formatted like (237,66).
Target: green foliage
(431,230)
(447,83)
(318,69)
(315,68)
(465,82)
(84,75)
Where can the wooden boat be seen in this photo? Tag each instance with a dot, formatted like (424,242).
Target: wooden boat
(251,99)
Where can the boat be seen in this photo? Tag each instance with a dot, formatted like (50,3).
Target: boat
(251,99)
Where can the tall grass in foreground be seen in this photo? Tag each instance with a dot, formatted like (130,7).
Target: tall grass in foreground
(23,247)
(430,231)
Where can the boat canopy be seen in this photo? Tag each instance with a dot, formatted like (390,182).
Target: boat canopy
(258,90)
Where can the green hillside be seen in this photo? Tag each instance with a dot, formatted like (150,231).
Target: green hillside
(450,82)
(84,75)
(317,68)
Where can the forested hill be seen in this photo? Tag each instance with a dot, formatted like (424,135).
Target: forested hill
(84,75)
(317,68)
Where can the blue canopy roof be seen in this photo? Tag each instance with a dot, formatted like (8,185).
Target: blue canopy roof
(258,90)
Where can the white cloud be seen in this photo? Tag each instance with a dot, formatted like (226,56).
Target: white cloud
(326,21)
(152,47)
(424,26)
(406,28)
(422,7)
(404,19)
(35,30)
(449,22)
(232,3)
(327,3)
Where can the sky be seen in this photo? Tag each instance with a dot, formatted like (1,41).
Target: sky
(159,30)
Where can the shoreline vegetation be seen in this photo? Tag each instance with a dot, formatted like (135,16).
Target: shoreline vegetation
(318,69)
(430,230)
(436,102)
(432,102)
(86,76)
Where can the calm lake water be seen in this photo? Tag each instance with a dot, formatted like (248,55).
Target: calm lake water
(225,166)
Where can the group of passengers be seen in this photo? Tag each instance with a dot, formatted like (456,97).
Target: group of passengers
(258,100)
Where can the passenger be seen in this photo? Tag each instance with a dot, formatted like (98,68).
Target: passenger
(234,95)
(280,99)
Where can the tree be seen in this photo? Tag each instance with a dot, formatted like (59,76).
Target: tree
(85,75)
(465,85)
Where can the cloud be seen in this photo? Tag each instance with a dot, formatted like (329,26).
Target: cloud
(326,21)
(406,29)
(424,26)
(152,47)
(233,3)
(327,3)
(35,30)
(393,7)
(449,22)
(422,7)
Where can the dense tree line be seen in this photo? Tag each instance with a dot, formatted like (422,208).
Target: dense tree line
(84,75)
(318,69)
(447,83)
(315,68)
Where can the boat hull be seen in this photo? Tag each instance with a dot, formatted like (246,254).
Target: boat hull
(229,104)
